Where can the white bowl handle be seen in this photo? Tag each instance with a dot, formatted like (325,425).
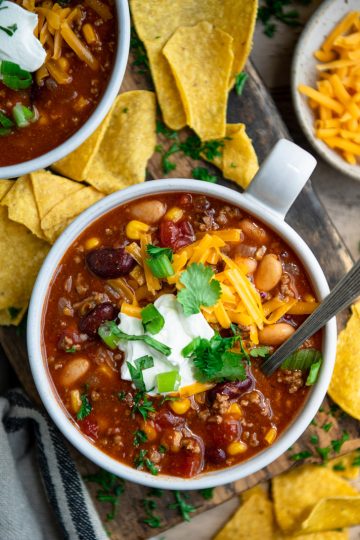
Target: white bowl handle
(281,177)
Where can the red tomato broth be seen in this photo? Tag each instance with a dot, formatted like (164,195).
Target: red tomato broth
(205,429)
(61,107)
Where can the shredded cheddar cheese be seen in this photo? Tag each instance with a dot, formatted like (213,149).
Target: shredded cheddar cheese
(336,99)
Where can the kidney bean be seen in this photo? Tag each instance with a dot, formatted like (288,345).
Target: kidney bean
(233,389)
(165,419)
(215,455)
(176,235)
(110,263)
(90,323)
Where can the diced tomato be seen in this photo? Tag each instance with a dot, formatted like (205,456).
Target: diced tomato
(176,235)
(224,433)
(165,419)
(89,427)
(187,464)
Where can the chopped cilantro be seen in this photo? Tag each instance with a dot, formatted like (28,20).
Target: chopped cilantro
(339,466)
(207,493)
(168,165)
(85,408)
(301,455)
(180,504)
(356,462)
(121,395)
(156,492)
(164,130)
(261,352)
(142,461)
(200,289)
(337,443)
(201,173)
(139,437)
(142,405)
(71,350)
(145,362)
(213,359)
(314,439)
(334,409)
(323,452)
(313,422)
(141,61)
(327,427)
(162,449)
(111,487)
(194,148)
(151,519)
(240,80)
(9,30)
(271,10)
(156,251)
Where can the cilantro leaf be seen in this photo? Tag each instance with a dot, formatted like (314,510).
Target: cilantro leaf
(261,352)
(337,443)
(201,173)
(141,405)
(156,251)
(200,289)
(85,408)
(301,455)
(184,508)
(240,80)
(139,437)
(142,461)
(207,493)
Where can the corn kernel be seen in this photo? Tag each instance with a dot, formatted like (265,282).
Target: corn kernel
(75,400)
(63,63)
(309,298)
(235,411)
(236,447)
(89,34)
(174,214)
(150,431)
(92,243)
(135,228)
(271,435)
(180,406)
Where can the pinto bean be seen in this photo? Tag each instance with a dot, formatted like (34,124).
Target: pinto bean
(90,323)
(73,371)
(268,273)
(253,231)
(110,263)
(275,334)
(149,212)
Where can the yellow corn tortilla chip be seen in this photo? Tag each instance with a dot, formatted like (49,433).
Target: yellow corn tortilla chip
(344,465)
(238,161)
(57,219)
(325,535)
(201,58)
(50,189)
(253,520)
(256,490)
(156,21)
(295,493)
(77,164)
(344,387)
(333,513)
(21,205)
(128,143)
(5,186)
(22,254)
(12,316)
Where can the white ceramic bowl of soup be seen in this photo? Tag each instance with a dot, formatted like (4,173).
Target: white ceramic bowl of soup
(271,194)
(101,110)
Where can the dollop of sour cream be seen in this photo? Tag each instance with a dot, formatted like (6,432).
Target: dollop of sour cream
(177,332)
(17,41)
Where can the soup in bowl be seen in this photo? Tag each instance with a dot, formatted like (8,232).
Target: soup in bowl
(158,307)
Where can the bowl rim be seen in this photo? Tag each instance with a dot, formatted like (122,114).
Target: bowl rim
(44,383)
(100,111)
(329,155)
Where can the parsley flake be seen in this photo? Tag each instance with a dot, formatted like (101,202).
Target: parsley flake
(111,488)
(152,520)
(207,493)
(180,504)
(200,289)
(327,427)
(142,405)
(337,443)
(201,173)
(85,408)
(141,462)
(323,452)
(140,437)
(301,455)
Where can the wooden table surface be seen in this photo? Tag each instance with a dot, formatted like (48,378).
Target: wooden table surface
(339,194)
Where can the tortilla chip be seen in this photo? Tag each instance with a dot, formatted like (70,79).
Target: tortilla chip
(253,520)
(77,164)
(295,493)
(256,490)
(21,205)
(201,58)
(128,143)
(22,254)
(12,316)
(325,535)
(156,22)
(333,513)
(238,161)
(5,186)
(344,387)
(344,465)
(59,217)
(50,189)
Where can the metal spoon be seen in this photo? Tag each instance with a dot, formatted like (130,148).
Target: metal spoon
(342,295)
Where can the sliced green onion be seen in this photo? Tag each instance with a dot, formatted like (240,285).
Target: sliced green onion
(5,121)
(152,319)
(314,372)
(14,77)
(168,381)
(161,266)
(302,360)
(4,132)
(22,115)
(156,251)
(111,335)
(191,347)
(144,362)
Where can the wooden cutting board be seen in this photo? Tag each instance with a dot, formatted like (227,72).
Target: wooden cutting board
(256,109)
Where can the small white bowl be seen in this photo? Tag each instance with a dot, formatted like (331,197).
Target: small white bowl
(303,71)
(273,190)
(101,110)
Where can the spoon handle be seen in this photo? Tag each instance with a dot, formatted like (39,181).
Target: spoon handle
(343,294)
